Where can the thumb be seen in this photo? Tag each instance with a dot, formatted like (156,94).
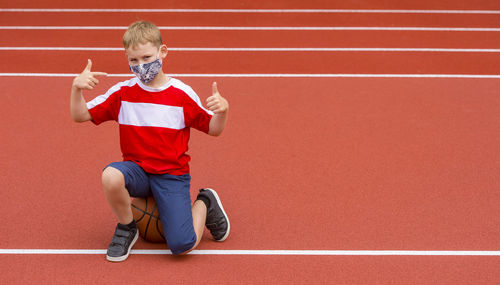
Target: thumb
(89,65)
(214,88)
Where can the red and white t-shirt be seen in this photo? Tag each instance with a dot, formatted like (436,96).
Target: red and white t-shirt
(154,123)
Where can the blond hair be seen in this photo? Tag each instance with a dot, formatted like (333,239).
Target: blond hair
(141,32)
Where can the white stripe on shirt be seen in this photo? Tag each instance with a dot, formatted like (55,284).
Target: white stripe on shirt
(102,98)
(151,115)
(190,92)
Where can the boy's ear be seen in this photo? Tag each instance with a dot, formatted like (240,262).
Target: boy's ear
(163,50)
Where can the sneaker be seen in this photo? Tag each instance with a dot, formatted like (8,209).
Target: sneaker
(217,221)
(123,240)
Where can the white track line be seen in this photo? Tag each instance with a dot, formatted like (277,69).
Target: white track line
(472,50)
(215,28)
(273,75)
(370,11)
(266,252)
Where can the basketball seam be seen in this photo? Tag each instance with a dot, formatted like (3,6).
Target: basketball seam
(158,228)
(149,221)
(140,210)
(145,213)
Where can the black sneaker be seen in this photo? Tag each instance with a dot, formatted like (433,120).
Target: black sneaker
(122,242)
(217,221)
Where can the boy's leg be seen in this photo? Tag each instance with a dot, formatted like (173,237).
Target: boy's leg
(120,180)
(199,211)
(113,184)
(183,225)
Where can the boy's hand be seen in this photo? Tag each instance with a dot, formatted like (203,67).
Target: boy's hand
(87,80)
(217,103)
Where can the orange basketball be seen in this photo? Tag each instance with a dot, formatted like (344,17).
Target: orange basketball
(147,218)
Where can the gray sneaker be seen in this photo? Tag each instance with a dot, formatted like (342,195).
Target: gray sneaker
(123,240)
(217,221)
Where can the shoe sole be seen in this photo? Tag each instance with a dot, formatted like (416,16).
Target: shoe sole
(223,212)
(123,257)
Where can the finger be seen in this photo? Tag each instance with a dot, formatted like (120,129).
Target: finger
(217,110)
(88,87)
(89,65)
(90,81)
(214,88)
(94,80)
(96,73)
(211,99)
(211,105)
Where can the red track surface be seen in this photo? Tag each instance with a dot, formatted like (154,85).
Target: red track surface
(256,19)
(256,39)
(263,4)
(257,62)
(324,163)
(253,270)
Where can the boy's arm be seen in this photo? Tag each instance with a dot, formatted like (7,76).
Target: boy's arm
(217,104)
(78,106)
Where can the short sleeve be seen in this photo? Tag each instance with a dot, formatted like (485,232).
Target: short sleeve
(106,107)
(195,116)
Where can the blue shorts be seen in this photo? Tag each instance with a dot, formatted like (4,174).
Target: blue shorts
(171,193)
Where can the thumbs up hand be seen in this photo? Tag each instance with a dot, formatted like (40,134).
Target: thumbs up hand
(216,103)
(87,80)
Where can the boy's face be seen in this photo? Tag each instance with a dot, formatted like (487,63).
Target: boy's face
(145,53)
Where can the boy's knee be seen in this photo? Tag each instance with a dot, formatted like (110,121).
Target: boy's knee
(181,246)
(112,178)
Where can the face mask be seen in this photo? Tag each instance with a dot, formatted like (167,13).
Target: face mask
(146,72)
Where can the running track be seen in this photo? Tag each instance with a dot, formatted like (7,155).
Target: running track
(376,167)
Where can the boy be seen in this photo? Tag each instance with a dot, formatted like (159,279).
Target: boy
(154,113)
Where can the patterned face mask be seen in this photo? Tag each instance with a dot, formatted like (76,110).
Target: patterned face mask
(146,72)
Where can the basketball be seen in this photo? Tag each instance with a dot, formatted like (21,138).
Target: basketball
(147,218)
